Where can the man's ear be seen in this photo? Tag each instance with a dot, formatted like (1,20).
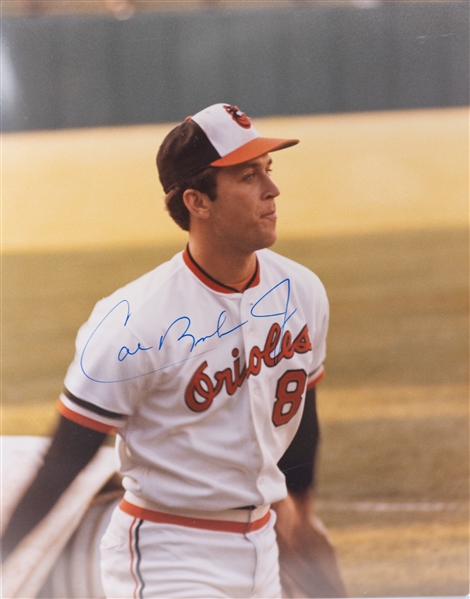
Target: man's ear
(197,203)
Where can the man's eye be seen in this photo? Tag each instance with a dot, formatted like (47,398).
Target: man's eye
(269,171)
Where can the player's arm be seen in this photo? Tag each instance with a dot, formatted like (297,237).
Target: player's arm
(298,462)
(298,466)
(72,447)
(307,558)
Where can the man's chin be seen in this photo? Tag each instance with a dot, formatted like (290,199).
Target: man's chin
(272,241)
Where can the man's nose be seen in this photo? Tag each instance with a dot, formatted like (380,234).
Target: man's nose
(272,190)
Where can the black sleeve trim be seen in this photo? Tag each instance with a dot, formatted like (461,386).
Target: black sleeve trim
(91,407)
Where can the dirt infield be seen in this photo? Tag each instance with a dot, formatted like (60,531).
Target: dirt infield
(393,472)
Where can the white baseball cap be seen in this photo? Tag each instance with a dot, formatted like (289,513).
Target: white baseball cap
(220,135)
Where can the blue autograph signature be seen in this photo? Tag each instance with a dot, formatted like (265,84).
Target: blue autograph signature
(194,342)
(181,327)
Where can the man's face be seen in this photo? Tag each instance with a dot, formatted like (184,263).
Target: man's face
(243,216)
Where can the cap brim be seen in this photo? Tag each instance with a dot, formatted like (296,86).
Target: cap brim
(254,149)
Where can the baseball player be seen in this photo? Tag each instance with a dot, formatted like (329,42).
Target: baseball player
(205,368)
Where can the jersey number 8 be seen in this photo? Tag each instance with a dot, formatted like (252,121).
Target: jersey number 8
(289,390)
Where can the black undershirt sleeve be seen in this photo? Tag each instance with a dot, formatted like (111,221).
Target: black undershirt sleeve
(298,462)
(72,447)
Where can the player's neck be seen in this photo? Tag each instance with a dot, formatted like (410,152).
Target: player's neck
(230,270)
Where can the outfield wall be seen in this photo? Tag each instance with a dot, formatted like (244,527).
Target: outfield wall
(84,71)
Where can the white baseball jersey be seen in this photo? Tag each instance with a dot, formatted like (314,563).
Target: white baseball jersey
(203,385)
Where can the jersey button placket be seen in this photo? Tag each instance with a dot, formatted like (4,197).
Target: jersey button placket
(254,334)
(249,338)
(248,334)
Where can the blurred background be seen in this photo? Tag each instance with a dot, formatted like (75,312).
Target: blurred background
(374,200)
(127,62)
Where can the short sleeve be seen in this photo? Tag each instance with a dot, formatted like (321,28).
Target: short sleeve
(110,362)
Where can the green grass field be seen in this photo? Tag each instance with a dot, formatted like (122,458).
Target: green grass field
(392,249)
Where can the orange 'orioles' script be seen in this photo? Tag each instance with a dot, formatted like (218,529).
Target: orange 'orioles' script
(202,390)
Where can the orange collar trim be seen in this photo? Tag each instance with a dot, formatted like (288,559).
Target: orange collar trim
(212,283)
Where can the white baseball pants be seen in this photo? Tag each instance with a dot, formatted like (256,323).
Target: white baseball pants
(141,559)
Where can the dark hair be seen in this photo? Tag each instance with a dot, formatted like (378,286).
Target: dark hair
(205,182)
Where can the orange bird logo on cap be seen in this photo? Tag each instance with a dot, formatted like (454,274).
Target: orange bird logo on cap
(238,116)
